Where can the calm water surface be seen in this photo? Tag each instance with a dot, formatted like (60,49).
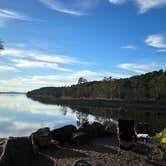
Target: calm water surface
(20,116)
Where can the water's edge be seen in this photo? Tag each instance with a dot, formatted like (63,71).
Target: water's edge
(101,103)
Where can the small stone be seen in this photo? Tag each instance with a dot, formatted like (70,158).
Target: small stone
(81,163)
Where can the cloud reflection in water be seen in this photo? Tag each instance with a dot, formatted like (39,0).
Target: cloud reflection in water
(20,116)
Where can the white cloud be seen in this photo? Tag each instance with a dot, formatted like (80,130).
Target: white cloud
(138,68)
(11,14)
(74,7)
(117,2)
(12,52)
(5,68)
(8,14)
(119,75)
(42,56)
(143,5)
(59,7)
(34,59)
(58,59)
(37,64)
(86,73)
(80,7)
(156,41)
(132,47)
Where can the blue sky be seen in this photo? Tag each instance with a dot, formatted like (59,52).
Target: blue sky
(54,42)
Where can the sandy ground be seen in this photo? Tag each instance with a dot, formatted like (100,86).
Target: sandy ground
(99,152)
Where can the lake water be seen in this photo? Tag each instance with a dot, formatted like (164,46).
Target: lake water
(20,116)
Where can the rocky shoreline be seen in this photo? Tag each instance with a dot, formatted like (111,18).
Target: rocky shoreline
(95,144)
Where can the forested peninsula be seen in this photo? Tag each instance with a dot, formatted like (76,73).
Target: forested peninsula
(146,91)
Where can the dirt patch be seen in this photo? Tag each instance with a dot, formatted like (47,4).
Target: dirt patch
(99,152)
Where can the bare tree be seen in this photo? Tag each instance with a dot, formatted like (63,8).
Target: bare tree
(1,45)
(107,78)
(82,80)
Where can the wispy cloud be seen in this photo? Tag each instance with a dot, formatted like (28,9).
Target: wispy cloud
(12,52)
(36,55)
(5,68)
(58,59)
(20,63)
(8,14)
(11,14)
(128,46)
(138,68)
(34,60)
(156,41)
(143,5)
(74,7)
(117,2)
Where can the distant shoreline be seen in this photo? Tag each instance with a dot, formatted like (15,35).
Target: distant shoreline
(13,93)
(101,102)
(146,91)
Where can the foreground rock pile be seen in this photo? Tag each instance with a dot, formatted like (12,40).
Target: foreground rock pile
(71,134)
(22,151)
(91,144)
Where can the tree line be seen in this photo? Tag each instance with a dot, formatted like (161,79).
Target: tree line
(149,86)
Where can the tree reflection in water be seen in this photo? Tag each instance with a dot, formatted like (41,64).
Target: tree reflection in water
(155,119)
